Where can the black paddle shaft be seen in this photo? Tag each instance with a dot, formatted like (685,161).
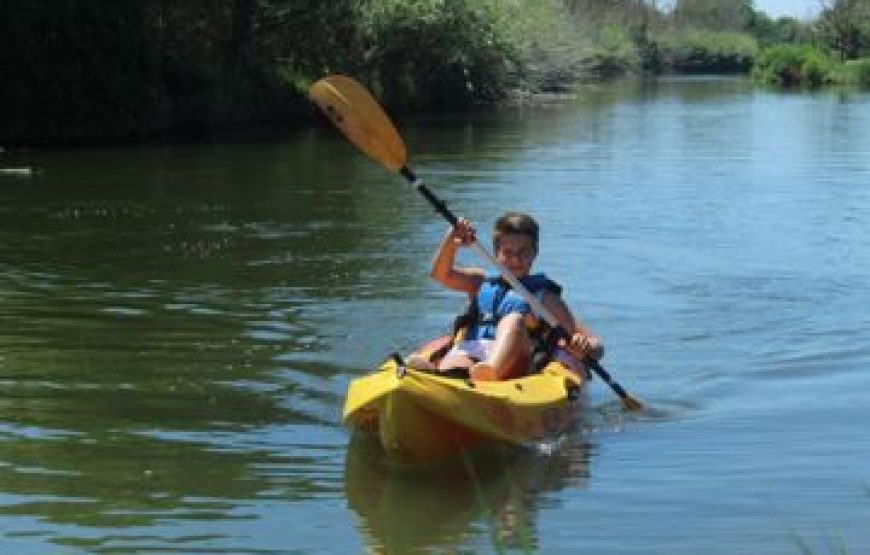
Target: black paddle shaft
(436,202)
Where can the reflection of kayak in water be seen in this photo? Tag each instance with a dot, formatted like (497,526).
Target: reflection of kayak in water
(424,415)
(400,512)
(405,508)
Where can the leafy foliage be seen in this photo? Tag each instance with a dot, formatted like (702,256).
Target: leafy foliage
(778,31)
(614,52)
(693,51)
(551,49)
(793,65)
(858,72)
(715,15)
(78,70)
(437,53)
(845,27)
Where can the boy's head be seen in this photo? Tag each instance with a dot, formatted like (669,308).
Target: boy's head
(515,242)
(515,223)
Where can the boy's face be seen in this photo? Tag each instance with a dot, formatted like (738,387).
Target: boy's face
(516,251)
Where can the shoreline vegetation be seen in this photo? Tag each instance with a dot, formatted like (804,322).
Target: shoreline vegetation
(83,71)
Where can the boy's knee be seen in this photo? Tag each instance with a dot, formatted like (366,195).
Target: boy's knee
(513,322)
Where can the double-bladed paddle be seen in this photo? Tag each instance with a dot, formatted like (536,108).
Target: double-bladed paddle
(363,122)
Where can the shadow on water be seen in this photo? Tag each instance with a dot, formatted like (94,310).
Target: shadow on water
(453,503)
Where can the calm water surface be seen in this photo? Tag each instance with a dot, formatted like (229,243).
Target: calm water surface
(178,325)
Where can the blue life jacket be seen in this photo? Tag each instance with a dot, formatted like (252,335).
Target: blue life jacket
(496,299)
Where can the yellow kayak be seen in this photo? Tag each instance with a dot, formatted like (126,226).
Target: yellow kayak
(424,415)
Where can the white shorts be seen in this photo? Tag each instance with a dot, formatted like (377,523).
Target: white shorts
(480,349)
(475,349)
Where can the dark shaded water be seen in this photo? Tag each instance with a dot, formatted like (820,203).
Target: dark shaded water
(178,326)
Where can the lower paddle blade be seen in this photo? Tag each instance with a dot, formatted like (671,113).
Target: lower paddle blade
(632,404)
(360,118)
(629,402)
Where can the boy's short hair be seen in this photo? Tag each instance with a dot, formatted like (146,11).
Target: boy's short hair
(515,222)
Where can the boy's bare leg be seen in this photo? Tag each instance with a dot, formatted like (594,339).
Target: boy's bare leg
(512,347)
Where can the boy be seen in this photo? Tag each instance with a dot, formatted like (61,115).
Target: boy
(498,344)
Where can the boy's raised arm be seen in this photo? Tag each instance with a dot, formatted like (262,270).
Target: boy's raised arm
(443,268)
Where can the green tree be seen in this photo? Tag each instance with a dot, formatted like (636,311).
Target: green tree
(770,31)
(717,15)
(845,27)
(77,69)
(310,37)
(441,54)
(791,65)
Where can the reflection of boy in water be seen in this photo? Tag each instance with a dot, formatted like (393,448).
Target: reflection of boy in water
(514,524)
(497,344)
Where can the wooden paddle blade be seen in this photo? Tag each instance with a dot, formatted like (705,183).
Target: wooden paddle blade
(360,118)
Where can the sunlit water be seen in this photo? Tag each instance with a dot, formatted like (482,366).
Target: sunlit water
(178,326)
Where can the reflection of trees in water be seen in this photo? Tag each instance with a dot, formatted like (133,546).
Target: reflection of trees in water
(493,138)
(305,210)
(402,509)
(120,480)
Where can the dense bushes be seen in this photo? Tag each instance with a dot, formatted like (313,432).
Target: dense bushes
(550,49)
(449,54)
(82,70)
(612,52)
(692,50)
(790,65)
(805,65)
(437,55)
(76,70)
(857,72)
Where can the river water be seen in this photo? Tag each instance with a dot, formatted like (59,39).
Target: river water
(179,323)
